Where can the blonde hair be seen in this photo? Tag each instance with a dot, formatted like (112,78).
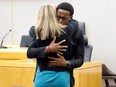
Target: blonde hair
(47,24)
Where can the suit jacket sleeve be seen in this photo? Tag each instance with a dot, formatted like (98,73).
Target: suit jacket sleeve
(35,52)
(78,37)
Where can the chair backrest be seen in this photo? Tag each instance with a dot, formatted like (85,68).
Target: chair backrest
(32,32)
(88,52)
(87,48)
(82,27)
(25,41)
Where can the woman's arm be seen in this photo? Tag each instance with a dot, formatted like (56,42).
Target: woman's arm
(35,51)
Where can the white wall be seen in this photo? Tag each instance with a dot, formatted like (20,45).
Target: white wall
(5,19)
(99,15)
(100,18)
(19,15)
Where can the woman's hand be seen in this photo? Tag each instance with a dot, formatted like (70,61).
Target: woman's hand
(56,47)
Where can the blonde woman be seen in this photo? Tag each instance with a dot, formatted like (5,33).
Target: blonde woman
(53,42)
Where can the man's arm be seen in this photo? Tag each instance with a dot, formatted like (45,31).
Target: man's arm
(78,58)
(78,38)
(79,52)
(34,51)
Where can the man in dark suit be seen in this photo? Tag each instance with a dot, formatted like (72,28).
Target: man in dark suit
(64,12)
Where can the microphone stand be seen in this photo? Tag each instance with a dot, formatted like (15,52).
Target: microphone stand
(3,40)
(2,46)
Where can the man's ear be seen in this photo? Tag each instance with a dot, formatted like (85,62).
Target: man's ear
(70,18)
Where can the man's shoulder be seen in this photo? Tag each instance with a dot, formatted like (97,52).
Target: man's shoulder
(74,27)
(74,22)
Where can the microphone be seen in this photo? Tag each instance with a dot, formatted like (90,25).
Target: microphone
(3,40)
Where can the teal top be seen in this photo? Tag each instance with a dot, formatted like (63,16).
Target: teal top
(47,78)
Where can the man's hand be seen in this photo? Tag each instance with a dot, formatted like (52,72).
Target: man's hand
(58,62)
(56,47)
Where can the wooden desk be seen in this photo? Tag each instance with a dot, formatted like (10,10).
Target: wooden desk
(13,53)
(16,70)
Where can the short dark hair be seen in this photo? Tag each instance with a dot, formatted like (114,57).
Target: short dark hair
(66,6)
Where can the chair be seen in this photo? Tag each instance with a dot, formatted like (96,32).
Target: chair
(108,75)
(25,41)
(32,32)
(88,48)
(82,27)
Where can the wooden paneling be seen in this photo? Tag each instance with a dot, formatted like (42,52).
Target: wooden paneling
(89,75)
(18,75)
(16,70)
